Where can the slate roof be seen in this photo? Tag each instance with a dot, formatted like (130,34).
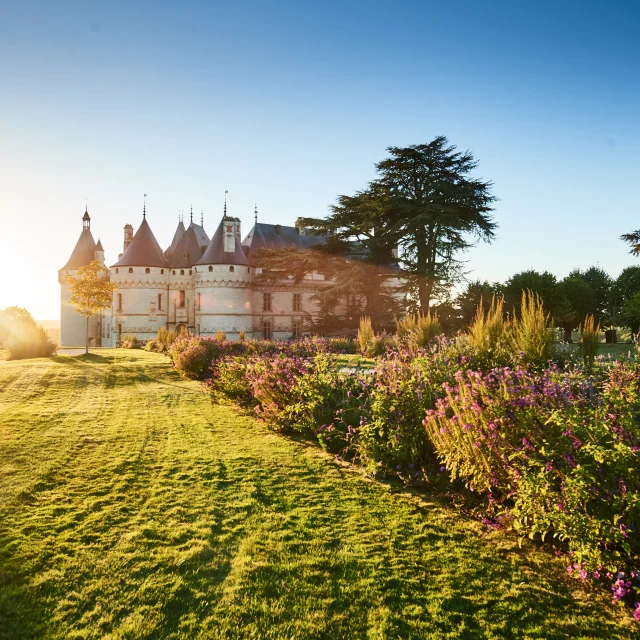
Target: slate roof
(99,246)
(144,250)
(215,253)
(176,238)
(277,236)
(188,251)
(84,251)
(201,234)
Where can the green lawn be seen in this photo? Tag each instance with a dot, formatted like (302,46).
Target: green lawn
(130,507)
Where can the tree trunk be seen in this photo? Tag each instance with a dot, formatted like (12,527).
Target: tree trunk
(86,341)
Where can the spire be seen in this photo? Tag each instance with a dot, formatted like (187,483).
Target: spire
(225,203)
(255,213)
(201,217)
(144,208)
(191,214)
(86,220)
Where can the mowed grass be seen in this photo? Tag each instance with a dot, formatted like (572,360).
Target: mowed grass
(130,507)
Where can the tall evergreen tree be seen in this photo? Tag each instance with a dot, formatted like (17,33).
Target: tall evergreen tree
(424,203)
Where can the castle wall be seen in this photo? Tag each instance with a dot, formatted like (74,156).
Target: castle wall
(140,303)
(224,293)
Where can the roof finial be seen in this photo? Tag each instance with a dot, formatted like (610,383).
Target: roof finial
(202,218)
(225,203)
(255,212)
(191,214)
(144,208)
(86,206)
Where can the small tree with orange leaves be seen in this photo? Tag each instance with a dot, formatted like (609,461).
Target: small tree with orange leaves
(91,292)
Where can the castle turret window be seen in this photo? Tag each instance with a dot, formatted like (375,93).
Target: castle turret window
(147,270)
(199,299)
(174,272)
(162,272)
(159,302)
(119,302)
(266,301)
(297,302)
(181,272)
(130,269)
(210,269)
(231,269)
(117,270)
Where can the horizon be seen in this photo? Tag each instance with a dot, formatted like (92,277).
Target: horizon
(288,107)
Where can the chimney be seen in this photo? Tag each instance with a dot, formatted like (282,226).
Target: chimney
(230,234)
(128,236)
(299,226)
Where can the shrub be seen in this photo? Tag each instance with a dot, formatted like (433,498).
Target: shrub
(559,451)
(131,342)
(589,341)
(242,336)
(22,336)
(229,380)
(366,335)
(192,360)
(154,345)
(489,335)
(220,336)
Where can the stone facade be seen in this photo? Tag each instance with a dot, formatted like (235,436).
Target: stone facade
(206,285)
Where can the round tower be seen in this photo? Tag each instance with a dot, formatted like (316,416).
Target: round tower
(223,284)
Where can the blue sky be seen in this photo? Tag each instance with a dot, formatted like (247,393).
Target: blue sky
(290,104)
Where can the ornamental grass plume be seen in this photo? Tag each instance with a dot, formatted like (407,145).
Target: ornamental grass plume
(532,332)
(366,335)
(589,340)
(489,332)
(419,330)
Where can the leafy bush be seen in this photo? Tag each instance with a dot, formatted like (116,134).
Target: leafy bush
(154,345)
(192,360)
(22,336)
(131,342)
(558,450)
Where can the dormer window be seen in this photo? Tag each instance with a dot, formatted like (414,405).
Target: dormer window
(161,271)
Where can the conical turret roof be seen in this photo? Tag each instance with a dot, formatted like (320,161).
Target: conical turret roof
(187,252)
(215,253)
(99,246)
(83,252)
(176,238)
(144,250)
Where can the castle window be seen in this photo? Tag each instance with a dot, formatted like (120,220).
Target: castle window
(117,271)
(297,328)
(199,302)
(119,331)
(119,302)
(266,302)
(190,273)
(159,302)
(147,270)
(182,298)
(162,272)
(297,302)
(130,269)
(231,269)
(181,272)
(266,330)
(174,272)
(210,269)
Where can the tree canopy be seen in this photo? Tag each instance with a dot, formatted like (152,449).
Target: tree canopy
(426,205)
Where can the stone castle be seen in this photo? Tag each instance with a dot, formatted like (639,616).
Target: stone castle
(199,283)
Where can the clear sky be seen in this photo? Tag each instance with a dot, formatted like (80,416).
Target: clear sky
(289,104)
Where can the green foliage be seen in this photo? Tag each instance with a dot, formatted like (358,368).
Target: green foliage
(366,335)
(243,335)
(490,336)
(22,337)
(192,359)
(220,336)
(589,340)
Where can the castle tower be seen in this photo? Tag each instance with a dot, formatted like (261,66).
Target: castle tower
(72,324)
(223,283)
(142,277)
